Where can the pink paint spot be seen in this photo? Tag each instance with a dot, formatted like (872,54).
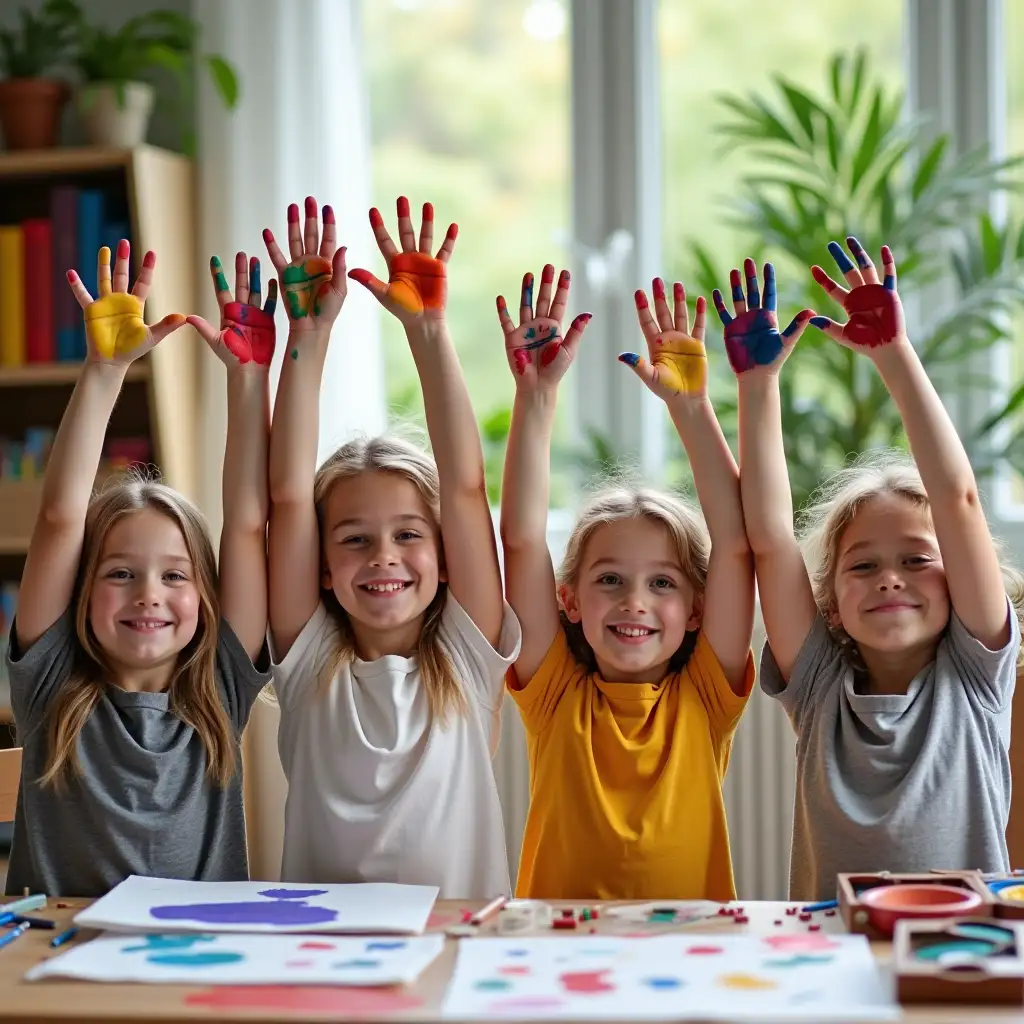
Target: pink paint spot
(440,920)
(526,1003)
(513,970)
(808,943)
(371,1002)
(298,963)
(587,982)
(522,358)
(317,945)
(704,950)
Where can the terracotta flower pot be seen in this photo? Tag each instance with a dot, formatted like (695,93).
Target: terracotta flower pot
(30,110)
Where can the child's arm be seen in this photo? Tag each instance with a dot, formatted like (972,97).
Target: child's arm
(677,373)
(245,344)
(116,335)
(538,357)
(314,287)
(877,329)
(416,293)
(756,352)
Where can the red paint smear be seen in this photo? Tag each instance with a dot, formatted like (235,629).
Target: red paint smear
(587,982)
(550,353)
(376,220)
(640,299)
(318,945)
(441,920)
(403,206)
(548,274)
(658,287)
(319,999)
(428,211)
(704,950)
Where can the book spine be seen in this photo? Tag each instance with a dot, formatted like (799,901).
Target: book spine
(38,275)
(66,313)
(12,295)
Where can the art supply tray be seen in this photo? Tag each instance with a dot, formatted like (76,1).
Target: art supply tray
(1007,896)
(959,960)
(858,917)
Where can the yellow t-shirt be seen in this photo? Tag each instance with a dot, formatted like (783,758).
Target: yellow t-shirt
(626,781)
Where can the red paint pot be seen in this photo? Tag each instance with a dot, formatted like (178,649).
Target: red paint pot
(887,904)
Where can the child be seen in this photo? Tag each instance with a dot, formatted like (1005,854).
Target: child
(631,695)
(385,599)
(896,657)
(131,665)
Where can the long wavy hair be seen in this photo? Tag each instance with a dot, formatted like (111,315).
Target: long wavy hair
(194,691)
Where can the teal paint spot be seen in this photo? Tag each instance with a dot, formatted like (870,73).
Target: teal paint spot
(158,943)
(493,985)
(221,281)
(356,965)
(799,960)
(295,353)
(211,959)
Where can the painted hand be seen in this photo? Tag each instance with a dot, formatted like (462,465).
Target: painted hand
(417,286)
(752,339)
(247,333)
(678,364)
(874,309)
(314,283)
(537,353)
(115,331)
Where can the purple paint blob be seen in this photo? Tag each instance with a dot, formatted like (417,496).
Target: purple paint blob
(284,913)
(292,894)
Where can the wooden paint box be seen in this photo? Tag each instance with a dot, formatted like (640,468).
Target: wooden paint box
(856,916)
(944,961)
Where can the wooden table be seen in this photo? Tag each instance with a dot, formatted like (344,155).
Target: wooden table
(61,1002)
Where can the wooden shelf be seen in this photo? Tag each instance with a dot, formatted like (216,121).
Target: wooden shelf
(43,374)
(66,160)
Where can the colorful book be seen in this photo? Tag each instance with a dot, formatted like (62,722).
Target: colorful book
(38,273)
(90,238)
(67,316)
(12,295)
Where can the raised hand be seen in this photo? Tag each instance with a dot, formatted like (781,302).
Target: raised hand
(678,364)
(537,353)
(417,287)
(115,331)
(752,338)
(874,309)
(314,284)
(246,333)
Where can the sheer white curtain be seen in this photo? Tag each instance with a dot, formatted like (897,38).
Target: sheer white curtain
(301,129)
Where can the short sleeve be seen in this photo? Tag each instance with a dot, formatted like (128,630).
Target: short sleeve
(538,699)
(821,660)
(301,666)
(481,667)
(240,679)
(38,673)
(990,675)
(723,706)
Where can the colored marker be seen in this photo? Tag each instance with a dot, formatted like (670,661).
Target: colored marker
(8,937)
(25,905)
(8,918)
(487,912)
(34,922)
(823,905)
(67,936)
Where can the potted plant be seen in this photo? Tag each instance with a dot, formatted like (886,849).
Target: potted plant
(114,99)
(30,101)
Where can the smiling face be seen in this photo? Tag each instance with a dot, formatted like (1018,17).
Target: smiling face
(144,598)
(382,550)
(633,599)
(890,586)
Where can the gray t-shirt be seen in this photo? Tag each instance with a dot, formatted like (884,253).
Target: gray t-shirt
(142,804)
(898,783)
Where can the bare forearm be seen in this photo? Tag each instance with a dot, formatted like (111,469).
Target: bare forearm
(78,446)
(295,434)
(245,483)
(945,469)
(527,476)
(715,476)
(451,423)
(764,478)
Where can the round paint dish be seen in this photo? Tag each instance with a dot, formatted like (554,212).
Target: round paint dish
(887,904)
(1014,892)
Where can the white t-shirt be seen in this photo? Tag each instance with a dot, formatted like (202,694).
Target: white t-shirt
(378,790)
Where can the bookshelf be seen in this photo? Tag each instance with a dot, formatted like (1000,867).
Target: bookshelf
(152,192)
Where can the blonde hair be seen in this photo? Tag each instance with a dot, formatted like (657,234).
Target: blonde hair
(833,508)
(685,526)
(395,455)
(194,690)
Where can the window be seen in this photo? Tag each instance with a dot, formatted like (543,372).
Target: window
(469,108)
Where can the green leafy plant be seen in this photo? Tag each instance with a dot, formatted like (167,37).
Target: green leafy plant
(40,42)
(850,162)
(157,39)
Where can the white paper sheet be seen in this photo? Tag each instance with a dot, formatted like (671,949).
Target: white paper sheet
(244,960)
(168,905)
(811,977)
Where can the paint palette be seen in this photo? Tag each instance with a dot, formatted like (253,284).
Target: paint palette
(1008,896)
(812,977)
(860,918)
(244,960)
(962,960)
